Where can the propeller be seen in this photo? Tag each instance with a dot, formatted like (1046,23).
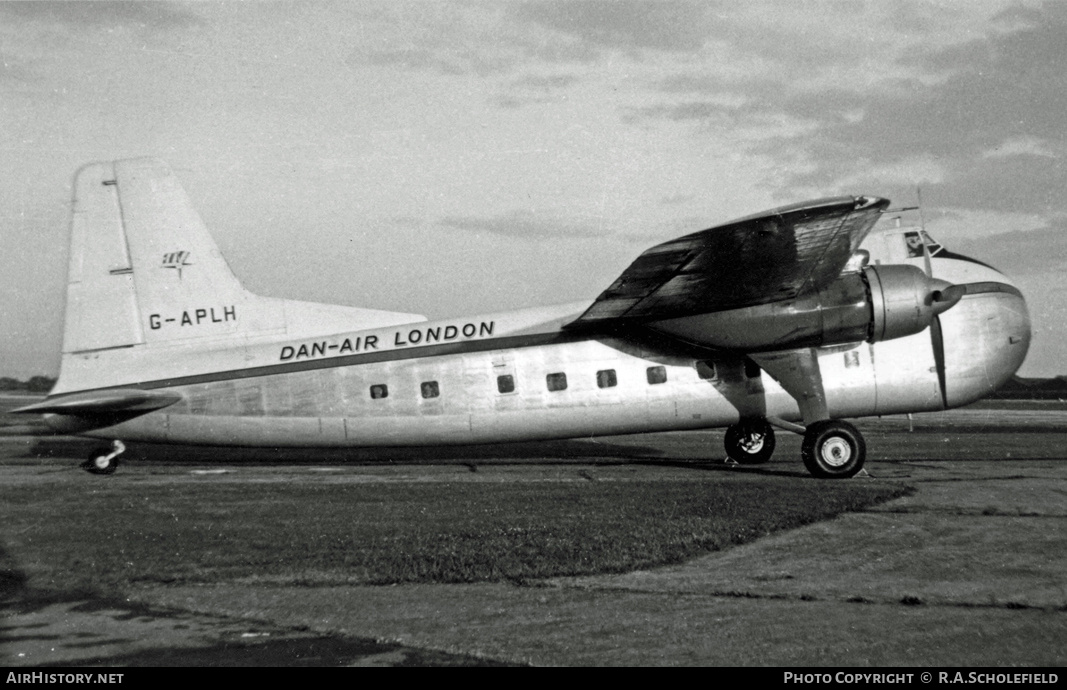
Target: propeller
(937,340)
(943,297)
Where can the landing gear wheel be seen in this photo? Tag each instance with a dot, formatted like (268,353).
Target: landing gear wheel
(749,442)
(101,461)
(833,449)
(105,459)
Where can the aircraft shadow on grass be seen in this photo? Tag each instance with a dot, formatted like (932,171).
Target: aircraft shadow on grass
(542,452)
(564,452)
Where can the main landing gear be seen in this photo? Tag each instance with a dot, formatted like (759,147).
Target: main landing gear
(104,460)
(832,449)
(750,442)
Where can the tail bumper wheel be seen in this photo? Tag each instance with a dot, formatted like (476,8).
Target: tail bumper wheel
(750,442)
(833,449)
(105,459)
(101,462)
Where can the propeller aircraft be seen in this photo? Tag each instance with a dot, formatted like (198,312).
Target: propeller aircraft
(785,319)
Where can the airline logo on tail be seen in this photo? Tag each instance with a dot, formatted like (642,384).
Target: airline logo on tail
(176,260)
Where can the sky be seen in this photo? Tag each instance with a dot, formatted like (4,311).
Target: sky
(453,158)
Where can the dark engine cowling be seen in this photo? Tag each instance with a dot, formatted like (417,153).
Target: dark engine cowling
(877,303)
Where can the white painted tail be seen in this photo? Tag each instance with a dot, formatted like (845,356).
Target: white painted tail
(146,277)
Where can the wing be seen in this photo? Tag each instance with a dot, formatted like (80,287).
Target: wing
(772,256)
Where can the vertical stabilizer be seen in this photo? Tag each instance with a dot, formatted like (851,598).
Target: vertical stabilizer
(143,268)
(149,293)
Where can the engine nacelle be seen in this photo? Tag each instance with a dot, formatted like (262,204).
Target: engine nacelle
(877,303)
(904,300)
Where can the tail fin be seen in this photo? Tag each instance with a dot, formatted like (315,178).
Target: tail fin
(140,259)
(145,274)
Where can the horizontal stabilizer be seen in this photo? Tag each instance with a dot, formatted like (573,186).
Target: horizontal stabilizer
(103,402)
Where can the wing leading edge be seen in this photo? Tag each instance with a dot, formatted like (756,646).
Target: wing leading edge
(768,257)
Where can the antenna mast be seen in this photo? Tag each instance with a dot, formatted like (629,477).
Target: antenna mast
(922,219)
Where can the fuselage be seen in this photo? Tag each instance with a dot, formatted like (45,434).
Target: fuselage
(522,376)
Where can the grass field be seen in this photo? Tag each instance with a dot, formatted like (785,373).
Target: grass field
(106,536)
(84,534)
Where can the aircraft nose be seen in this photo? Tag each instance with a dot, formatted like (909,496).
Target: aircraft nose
(987,335)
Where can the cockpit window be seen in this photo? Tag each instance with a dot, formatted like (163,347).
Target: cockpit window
(914,242)
(931,244)
(915,239)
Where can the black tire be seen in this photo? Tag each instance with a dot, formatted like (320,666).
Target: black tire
(100,463)
(833,450)
(749,442)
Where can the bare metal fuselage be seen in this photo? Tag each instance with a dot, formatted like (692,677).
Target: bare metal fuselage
(442,382)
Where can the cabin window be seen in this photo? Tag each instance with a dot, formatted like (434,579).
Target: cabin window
(752,369)
(706,370)
(505,383)
(430,389)
(656,375)
(605,378)
(556,382)
(379,391)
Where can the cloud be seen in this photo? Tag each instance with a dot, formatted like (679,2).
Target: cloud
(667,25)
(896,94)
(1020,252)
(14,68)
(474,38)
(1005,93)
(1019,183)
(38,35)
(799,37)
(522,224)
(699,111)
(1020,146)
(1018,17)
(544,83)
(154,15)
(443,59)
(410,58)
(444,38)
(534,89)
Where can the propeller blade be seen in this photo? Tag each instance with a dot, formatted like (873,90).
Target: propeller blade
(938,342)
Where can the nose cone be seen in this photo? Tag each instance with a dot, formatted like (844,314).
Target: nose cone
(987,336)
